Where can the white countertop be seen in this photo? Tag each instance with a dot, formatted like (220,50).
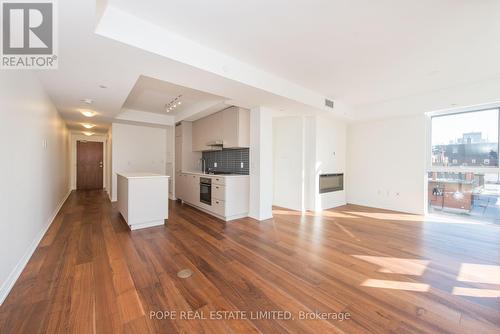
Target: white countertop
(213,175)
(139,175)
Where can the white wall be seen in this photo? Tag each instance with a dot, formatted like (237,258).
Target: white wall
(331,137)
(109,162)
(386,164)
(34,146)
(471,94)
(305,147)
(74,137)
(138,149)
(169,169)
(288,165)
(261,163)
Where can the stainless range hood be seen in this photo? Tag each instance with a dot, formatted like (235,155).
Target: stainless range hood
(215,145)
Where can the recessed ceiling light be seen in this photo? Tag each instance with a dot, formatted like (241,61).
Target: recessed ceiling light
(87,101)
(88,134)
(88,113)
(88,126)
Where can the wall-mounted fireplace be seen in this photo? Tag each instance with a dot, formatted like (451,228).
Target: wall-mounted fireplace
(331,182)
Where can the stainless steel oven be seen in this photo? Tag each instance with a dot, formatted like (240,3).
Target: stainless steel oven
(206,190)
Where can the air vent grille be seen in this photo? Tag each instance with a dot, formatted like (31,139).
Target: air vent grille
(329,103)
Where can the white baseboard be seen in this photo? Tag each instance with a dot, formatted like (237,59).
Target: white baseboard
(18,269)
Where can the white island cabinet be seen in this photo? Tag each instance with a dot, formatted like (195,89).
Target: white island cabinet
(143,199)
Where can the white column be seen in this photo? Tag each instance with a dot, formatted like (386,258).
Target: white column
(261,163)
(310,165)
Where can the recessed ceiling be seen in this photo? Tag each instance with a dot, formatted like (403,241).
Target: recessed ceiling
(361,51)
(152,95)
(357,52)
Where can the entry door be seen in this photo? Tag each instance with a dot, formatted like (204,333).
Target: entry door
(89,169)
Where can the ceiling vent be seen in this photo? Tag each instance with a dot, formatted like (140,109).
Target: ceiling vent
(329,103)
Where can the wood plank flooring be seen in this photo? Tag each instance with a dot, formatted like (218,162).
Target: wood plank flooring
(390,272)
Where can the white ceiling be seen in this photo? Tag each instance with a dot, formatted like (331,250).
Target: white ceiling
(360,51)
(88,61)
(286,55)
(152,95)
(77,126)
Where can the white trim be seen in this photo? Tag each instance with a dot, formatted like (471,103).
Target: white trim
(477,107)
(465,169)
(18,269)
(226,219)
(146,225)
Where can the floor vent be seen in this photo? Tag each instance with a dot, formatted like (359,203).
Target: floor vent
(185,273)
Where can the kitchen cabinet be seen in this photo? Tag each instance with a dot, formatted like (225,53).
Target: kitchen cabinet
(205,130)
(182,186)
(178,186)
(185,158)
(189,188)
(193,189)
(230,194)
(218,192)
(230,126)
(236,127)
(200,135)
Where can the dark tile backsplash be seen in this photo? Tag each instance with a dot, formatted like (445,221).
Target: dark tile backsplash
(229,160)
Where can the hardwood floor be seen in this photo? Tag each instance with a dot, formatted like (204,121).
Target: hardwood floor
(391,272)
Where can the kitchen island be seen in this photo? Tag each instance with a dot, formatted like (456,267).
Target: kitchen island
(143,199)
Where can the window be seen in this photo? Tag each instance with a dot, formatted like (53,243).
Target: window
(473,194)
(464,172)
(470,136)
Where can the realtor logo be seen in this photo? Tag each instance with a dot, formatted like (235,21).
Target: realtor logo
(28,35)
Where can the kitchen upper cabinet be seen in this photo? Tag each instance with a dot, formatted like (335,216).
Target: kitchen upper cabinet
(199,136)
(205,130)
(215,127)
(231,126)
(236,127)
